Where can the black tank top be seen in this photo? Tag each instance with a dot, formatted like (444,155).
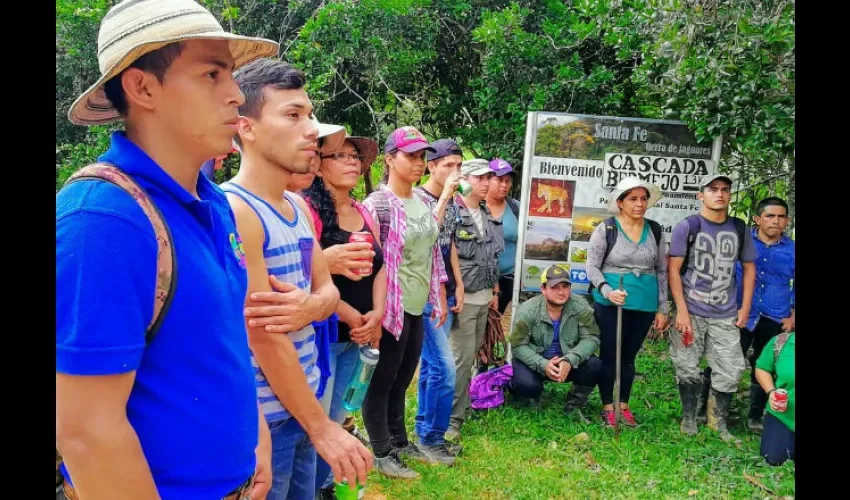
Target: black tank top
(358,294)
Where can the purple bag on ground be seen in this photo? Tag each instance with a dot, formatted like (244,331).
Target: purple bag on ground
(487,390)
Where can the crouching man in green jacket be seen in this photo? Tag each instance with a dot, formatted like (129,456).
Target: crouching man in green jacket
(553,339)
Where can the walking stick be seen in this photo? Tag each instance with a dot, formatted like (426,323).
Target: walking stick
(617,372)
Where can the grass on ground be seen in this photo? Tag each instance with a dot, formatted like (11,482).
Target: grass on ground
(523,453)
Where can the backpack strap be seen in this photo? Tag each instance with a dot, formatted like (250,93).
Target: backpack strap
(367,217)
(317,220)
(611,233)
(383,211)
(781,339)
(741,229)
(512,204)
(656,231)
(610,239)
(166,260)
(694,226)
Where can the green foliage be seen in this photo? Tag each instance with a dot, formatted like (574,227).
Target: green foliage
(364,60)
(77,23)
(729,70)
(77,155)
(472,70)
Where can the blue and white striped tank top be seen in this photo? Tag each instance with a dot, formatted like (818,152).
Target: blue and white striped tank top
(288,252)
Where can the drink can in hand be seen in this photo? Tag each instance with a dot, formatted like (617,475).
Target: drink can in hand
(362,237)
(780,396)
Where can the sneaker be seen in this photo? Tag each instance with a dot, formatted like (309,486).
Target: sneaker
(608,419)
(627,418)
(393,466)
(439,453)
(414,452)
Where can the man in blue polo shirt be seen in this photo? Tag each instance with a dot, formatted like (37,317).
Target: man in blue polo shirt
(176,418)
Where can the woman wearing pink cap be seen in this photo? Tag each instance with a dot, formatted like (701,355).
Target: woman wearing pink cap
(415,276)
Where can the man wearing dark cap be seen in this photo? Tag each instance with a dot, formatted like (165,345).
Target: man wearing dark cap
(437,366)
(554,339)
(703,251)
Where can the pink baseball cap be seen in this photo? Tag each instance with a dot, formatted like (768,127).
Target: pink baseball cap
(407,139)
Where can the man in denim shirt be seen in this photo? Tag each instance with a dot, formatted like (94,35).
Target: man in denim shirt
(774,301)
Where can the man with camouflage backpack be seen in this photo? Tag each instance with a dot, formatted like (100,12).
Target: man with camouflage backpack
(152,358)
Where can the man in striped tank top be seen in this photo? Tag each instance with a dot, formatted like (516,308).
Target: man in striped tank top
(278,138)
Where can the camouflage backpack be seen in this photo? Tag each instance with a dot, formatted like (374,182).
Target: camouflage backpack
(166,261)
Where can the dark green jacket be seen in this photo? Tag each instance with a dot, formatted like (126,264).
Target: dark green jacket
(533,332)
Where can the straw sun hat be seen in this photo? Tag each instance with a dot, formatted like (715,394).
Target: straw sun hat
(629,183)
(134,28)
(333,135)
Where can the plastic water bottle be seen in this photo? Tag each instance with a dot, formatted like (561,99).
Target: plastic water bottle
(464,188)
(360,378)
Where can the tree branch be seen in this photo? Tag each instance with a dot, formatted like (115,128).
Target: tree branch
(364,101)
(312,14)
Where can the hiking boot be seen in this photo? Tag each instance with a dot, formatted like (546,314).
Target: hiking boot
(452,433)
(627,418)
(758,400)
(439,453)
(454,448)
(718,413)
(414,452)
(523,402)
(702,397)
(393,466)
(608,419)
(754,425)
(688,393)
(577,397)
(327,493)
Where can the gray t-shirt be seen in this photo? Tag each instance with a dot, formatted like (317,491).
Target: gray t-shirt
(709,282)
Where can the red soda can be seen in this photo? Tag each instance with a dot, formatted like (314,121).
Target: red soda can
(362,237)
(688,338)
(780,396)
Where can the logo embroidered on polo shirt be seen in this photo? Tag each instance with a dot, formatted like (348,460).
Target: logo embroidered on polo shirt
(238,250)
